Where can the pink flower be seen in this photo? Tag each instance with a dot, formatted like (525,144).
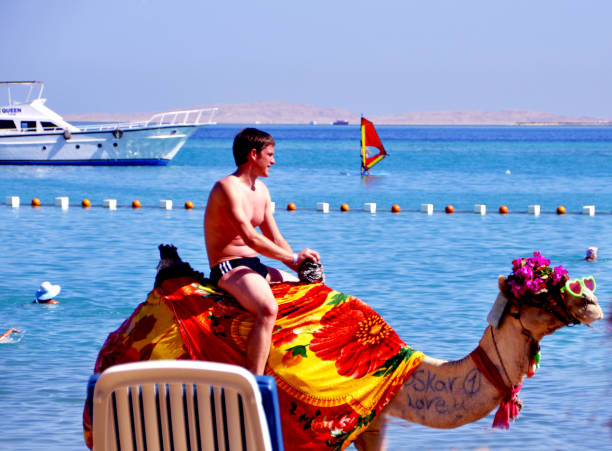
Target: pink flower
(538,260)
(558,274)
(533,275)
(517,290)
(516,264)
(525,272)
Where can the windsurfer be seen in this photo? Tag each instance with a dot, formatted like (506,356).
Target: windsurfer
(237,205)
(370,139)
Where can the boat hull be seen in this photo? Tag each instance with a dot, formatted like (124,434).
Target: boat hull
(144,146)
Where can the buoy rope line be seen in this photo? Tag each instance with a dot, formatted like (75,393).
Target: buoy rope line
(428,209)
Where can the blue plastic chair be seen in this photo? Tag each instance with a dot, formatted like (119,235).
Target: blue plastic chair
(183,405)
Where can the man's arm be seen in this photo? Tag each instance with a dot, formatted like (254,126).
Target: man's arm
(270,229)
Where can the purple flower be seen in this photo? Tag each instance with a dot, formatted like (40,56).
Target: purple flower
(533,275)
(558,274)
(525,272)
(516,289)
(538,260)
(532,285)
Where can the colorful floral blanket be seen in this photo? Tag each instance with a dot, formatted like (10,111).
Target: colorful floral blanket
(336,362)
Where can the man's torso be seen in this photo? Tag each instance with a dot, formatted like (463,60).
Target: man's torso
(221,230)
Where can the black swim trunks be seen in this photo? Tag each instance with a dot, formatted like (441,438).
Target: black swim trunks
(250,262)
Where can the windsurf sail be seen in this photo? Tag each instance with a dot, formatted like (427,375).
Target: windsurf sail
(370,139)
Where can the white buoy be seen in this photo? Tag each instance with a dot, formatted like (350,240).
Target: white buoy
(427,209)
(588,210)
(166,204)
(273,206)
(12,201)
(111,204)
(480,209)
(323,206)
(508,171)
(370,207)
(62,202)
(533,210)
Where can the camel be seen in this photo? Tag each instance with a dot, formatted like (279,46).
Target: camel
(459,394)
(534,301)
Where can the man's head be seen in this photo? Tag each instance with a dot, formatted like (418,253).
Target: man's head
(247,140)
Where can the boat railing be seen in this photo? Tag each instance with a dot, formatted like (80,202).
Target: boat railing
(201,116)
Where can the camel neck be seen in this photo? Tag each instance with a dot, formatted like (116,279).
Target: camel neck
(510,351)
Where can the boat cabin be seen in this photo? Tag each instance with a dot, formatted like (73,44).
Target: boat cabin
(23,110)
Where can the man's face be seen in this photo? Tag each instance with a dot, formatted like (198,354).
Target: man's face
(264,160)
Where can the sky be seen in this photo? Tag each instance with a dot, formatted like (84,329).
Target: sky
(370,57)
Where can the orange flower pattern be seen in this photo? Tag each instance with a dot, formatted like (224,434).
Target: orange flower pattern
(356,338)
(336,362)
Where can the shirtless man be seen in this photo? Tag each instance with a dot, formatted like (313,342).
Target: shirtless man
(237,205)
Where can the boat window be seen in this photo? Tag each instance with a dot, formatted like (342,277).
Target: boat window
(49,126)
(28,126)
(7,125)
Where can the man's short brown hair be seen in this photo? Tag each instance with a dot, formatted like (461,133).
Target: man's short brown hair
(247,139)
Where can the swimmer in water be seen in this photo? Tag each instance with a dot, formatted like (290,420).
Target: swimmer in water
(8,333)
(46,293)
(591,254)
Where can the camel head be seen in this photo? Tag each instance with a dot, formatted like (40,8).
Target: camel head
(545,299)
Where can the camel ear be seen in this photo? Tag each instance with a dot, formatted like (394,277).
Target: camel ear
(499,306)
(501,282)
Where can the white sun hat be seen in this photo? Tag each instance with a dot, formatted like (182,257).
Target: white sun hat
(47,291)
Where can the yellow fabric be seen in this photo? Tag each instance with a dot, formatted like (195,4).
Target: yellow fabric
(336,362)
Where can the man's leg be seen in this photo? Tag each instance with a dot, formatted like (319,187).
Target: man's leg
(278,275)
(253,292)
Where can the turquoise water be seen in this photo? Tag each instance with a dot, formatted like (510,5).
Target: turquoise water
(433,278)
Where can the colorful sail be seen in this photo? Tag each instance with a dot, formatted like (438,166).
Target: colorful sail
(369,138)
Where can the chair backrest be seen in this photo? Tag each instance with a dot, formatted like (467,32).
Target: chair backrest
(183,405)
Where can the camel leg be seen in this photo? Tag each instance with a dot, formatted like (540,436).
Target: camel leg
(373,438)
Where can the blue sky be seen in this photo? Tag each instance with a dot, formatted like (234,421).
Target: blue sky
(370,57)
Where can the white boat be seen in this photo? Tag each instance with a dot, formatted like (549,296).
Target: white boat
(31,133)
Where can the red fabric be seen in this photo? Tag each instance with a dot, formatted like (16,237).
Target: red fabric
(371,137)
(336,362)
(509,405)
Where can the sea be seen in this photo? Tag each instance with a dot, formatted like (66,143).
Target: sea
(432,277)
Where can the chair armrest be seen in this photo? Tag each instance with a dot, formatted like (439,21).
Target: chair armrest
(269,398)
(91,385)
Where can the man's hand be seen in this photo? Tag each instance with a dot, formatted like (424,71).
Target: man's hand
(306,254)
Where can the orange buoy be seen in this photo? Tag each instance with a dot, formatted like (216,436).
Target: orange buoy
(395,208)
(188,205)
(290,206)
(136,204)
(503,210)
(344,207)
(85,203)
(561,210)
(36,202)
(449,209)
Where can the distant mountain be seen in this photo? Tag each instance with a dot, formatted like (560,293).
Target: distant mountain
(290,113)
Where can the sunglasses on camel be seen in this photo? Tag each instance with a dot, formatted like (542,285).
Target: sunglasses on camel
(577,286)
